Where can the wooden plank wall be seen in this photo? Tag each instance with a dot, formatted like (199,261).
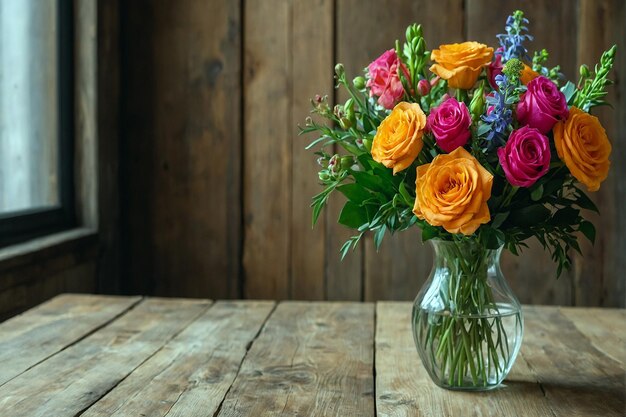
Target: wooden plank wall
(216,185)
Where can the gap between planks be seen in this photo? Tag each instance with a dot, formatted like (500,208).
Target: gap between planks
(248,347)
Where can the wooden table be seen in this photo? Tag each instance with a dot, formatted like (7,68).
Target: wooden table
(130,356)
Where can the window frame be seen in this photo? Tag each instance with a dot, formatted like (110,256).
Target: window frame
(22,225)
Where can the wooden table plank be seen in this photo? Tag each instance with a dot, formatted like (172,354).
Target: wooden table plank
(578,379)
(192,373)
(605,329)
(72,380)
(50,327)
(311,359)
(403,387)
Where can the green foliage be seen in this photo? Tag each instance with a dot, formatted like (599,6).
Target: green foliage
(593,89)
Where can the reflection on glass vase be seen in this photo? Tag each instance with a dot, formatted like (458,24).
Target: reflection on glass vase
(467,323)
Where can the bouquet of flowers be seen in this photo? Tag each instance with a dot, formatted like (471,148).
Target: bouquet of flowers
(478,147)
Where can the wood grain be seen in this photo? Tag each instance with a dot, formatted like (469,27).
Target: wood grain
(72,380)
(403,387)
(578,379)
(267,157)
(598,275)
(312,71)
(182,149)
(51,327)
(192,373)
(311,359)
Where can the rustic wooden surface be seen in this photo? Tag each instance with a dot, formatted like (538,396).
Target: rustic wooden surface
(126,356)
(217,185)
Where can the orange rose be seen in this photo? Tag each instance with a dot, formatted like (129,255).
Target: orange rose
(581,143)
(461,63)
(398,139)
(527,75)
(452,191)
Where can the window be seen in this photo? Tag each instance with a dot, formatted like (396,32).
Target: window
(36,118)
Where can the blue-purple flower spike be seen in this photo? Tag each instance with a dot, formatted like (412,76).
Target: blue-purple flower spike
(511,42)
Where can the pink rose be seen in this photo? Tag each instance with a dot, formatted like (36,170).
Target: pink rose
(450,124)
(542,105)
(495,68)
(384,79)
(526,156)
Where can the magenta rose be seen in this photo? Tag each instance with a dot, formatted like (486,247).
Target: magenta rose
(450,124)
(542,105)
(384,79)
(526,156)
(495,68)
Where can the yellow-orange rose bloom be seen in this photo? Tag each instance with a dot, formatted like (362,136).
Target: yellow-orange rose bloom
(581,143)
(452,191)
(461,63)
(527,75)
(398,139)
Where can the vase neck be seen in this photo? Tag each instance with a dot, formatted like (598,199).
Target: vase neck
(467,257)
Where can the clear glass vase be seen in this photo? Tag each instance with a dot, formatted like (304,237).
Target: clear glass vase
(467,323)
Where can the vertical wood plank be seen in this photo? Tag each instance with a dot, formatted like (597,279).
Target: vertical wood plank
(311,359)
(192,373)
(75,378)
(553,26)
(182,146)
(402,264)
(403,387)
(312,72)
(268,140)
(598,274)
(108,96)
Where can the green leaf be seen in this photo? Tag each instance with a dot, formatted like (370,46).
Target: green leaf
(483,129)
(529,216)
(352,215)
(537,193)
(499,218)
(369,180)
(490,237)
(584,202)
(408,199)
(428,232)
(568,90)
(589,230)
(565,217)
(355,193)
(378,236)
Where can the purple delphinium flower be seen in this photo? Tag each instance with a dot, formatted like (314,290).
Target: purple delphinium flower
(500,115)
(512,41)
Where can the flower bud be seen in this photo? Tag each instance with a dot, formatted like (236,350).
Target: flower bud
(584,71)
(346,162)
(477,105)
(338,111)
(368,144)
(339,70)
(423,87)
(323,176)
(345,123)
(333,164)
(348,109)
(359,82)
